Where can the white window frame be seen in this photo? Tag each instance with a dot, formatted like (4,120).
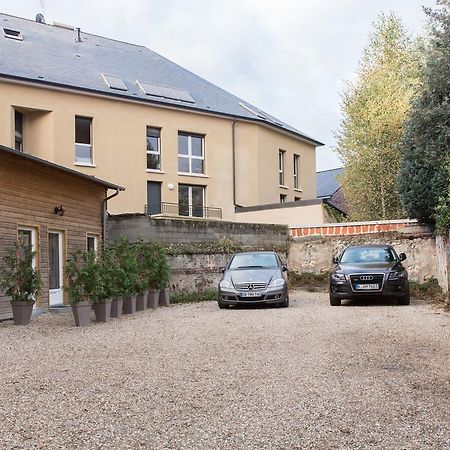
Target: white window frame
(296,173)
(283,198)
(157,153)
(16,37)
(90,146)
(190,205)
(281,178)
(33,241)
(95,237)
(190,156)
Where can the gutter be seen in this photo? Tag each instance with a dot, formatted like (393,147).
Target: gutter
(105,211)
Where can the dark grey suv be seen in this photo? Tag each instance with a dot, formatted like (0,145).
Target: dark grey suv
(253,277)
(369,271)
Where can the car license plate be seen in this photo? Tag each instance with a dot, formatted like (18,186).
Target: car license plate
(367,287)
(250,294)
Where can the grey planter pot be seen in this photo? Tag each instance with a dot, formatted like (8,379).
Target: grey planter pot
(116,307)
(82,314)
(153,298)
(141,302)
(164,297)
(102,310)
(22,312)
(129,305)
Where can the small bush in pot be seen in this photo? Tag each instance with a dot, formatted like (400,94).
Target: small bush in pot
(141,282)
(20,281)
(102,297)
(128,271)
(163,275)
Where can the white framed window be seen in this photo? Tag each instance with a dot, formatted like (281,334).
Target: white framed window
(83,140)
(191,200)
(191,154)
(153,148)
(18,130)
(296,173)
(12,34)
(28,236)
(92,242)
(281,154)
(283,198)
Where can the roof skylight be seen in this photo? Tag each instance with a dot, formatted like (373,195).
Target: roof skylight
(12,34)
(165,92)
(114,82)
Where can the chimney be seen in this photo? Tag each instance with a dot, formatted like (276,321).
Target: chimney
(40,18)
(78,34)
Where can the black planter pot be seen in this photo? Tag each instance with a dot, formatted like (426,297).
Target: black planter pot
(102,310)
(116,307)
(141,301)
(22,312)
(153,298)
(82,313)
(164,297)
(129,305)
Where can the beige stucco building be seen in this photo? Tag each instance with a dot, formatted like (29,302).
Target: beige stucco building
(177,143)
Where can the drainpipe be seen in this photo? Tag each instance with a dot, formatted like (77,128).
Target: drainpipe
(233,146)
(105,212)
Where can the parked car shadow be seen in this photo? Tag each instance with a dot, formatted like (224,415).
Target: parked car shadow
(371,302)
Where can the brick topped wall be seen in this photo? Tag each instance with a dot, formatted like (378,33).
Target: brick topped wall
(354,228)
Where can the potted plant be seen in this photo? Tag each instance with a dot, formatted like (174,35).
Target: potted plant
(116,279)
(20,281)
(150,256)
(75,287)
(101,296)
(141,284)
(129,270)
(163,274)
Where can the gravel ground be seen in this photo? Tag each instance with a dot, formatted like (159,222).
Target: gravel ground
(362,376)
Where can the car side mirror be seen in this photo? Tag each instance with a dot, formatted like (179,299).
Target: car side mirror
(335,259)
(402,256)
(222,269)
(284,269)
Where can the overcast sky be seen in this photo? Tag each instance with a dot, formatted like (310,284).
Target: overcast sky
(288,57)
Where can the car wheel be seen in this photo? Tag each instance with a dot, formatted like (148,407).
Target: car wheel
(284,303)
(405,300)
(334,301)
(222,305)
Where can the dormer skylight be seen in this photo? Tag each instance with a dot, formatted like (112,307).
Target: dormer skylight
(12,34)
(167,92)
(114,82)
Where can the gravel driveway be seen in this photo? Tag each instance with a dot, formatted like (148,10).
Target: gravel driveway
(364,376)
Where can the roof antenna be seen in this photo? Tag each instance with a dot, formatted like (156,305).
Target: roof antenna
(78,34)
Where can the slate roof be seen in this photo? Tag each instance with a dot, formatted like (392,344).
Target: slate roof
(51,165)
(52,55)
(327,182)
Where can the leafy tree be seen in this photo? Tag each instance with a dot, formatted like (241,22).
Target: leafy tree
(426,142)
(374,109)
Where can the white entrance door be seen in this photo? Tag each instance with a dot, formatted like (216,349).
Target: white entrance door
(55,267)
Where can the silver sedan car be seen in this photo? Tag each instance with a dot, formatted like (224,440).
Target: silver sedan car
(253,277)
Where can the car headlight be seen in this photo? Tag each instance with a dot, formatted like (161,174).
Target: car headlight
(225,284)
(277,282)
(336,276)
(395,275)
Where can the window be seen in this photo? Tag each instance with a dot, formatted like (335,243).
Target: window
(296,175)
(190,154)
(297,199)
(83,140)
(27,237)
(281,167)
(91,242)
(153,148)
(191,200)
(283,198)
(18,131)
(12,34)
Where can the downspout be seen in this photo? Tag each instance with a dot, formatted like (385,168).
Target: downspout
(233,146)
(105,212)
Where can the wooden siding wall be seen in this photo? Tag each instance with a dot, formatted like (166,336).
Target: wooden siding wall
(29,193)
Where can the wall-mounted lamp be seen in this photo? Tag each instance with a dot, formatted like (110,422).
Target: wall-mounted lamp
(171,186)
(59,210)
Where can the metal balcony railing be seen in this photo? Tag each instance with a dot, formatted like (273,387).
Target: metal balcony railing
(177,209)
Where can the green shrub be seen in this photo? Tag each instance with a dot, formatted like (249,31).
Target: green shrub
(193,297)
(309,281)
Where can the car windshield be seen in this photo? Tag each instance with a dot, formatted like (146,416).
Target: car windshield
(368,255)
(253,260)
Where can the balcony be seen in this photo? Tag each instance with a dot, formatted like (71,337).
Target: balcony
(182,210)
